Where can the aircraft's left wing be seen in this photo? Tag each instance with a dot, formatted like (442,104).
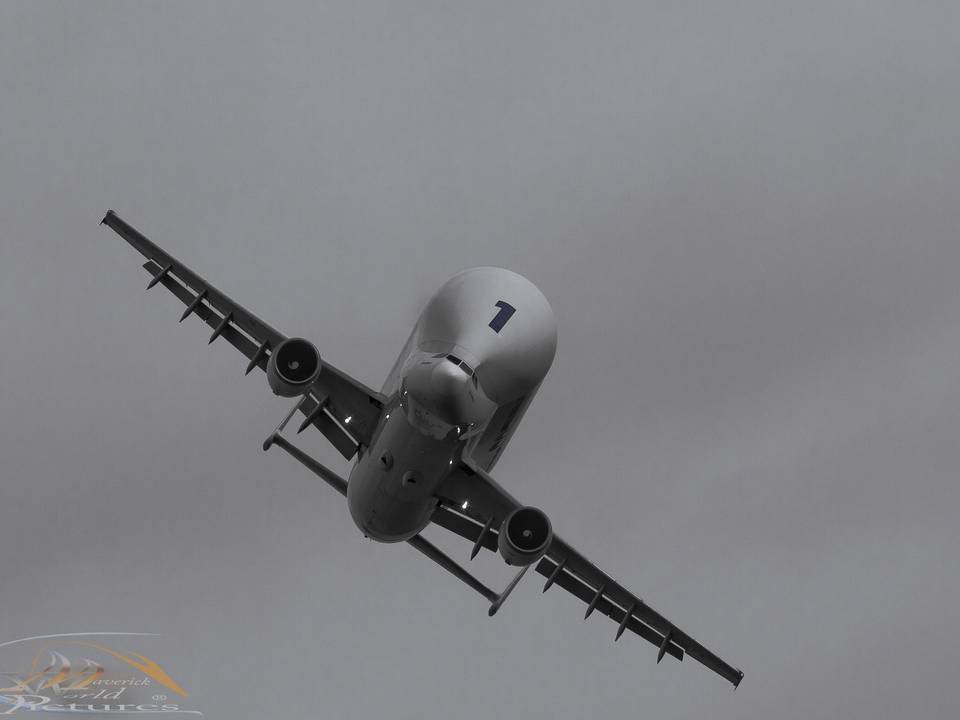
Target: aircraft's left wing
(473,504)
(351,410)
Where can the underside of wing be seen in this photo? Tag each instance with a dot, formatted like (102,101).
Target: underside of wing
(473,505)
(342,408)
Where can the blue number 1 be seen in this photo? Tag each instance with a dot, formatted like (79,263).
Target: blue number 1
(506,312)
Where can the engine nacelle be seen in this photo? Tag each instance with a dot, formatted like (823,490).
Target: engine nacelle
(293,367)
(525,536)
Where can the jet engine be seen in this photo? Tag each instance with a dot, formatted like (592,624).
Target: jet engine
(525,536)
(293,367)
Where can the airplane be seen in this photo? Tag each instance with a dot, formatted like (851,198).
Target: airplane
(425,444)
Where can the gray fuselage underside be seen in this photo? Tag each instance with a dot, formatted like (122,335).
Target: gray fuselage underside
(458,389)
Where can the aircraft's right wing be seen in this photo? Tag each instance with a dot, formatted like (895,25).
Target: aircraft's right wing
(350,410)
(473,505)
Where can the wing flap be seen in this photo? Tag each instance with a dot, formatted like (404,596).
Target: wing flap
(590,573)
(470,487)
(464,526)
(470,529)
(241,317)
(234,336)
(324,421)
(575,586)
(350,411)
(355,406)
(469,484)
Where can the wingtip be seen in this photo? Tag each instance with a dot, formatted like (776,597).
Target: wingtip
(109,213)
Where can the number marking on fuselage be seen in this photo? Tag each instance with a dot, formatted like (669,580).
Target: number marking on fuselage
(500,319)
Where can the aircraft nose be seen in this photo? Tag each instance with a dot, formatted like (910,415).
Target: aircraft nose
(449,393)
(448,379)
(446,389)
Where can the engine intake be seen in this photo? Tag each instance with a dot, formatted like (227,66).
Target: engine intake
(525,536)
(293,367)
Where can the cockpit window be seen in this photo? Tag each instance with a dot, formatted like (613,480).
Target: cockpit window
(462,363)
(471,373)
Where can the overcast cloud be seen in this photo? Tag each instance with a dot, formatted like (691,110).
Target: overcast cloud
(745,216)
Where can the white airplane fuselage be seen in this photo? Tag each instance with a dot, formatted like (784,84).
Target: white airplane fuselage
(458,389)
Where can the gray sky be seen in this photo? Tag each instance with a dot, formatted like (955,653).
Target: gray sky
(745,217)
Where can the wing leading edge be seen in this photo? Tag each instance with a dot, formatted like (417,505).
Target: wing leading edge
(335,402)
(470,498)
